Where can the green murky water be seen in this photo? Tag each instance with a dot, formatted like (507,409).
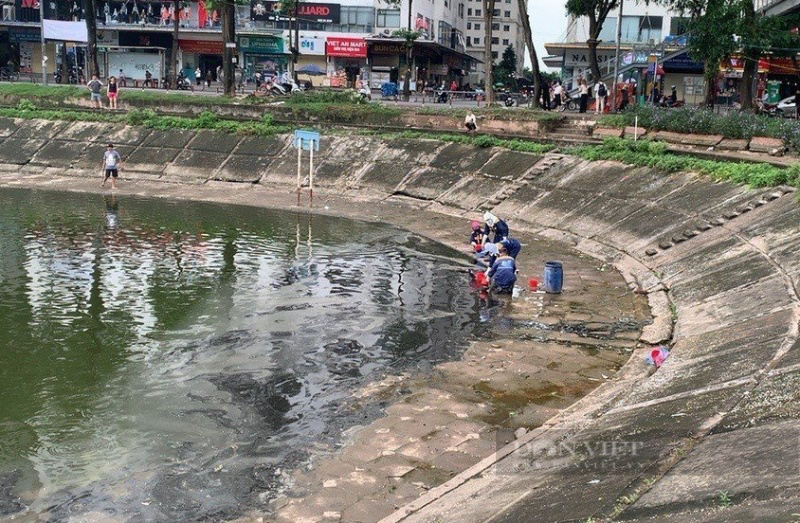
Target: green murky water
(169,362)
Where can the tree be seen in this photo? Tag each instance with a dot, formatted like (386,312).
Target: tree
(526,28)
(227,9)
(410,37)
(90,14)
(711,39)
(176,20)
(507,68)
(488,58)
(597,12)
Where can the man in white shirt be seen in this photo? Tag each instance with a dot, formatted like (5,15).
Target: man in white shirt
(600,93)
(557,93)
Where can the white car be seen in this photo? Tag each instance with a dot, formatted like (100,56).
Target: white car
(787,108)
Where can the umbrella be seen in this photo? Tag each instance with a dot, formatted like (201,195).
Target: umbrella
(311,69)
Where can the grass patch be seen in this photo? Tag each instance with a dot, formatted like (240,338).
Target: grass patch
(62,93)
(494,113)
(477,141)
(645,153)
(731,124)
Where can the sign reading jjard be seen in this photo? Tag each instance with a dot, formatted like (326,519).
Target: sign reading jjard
(269,11)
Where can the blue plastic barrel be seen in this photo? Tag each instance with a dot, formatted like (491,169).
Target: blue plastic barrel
(553,277)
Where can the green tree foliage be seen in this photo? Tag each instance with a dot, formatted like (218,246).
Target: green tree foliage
(505,71)
(597,12)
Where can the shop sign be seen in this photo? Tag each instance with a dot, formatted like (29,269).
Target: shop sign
(634,57)
(389,48)
(107,38)
(782,66)
(581,58)
(201,46)
(23,35)
(135,39)
(311,46)
(270,11)
(683,63)
(261,44)
(349,47)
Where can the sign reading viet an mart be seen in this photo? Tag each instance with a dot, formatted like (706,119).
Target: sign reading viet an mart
(261,44)
(349,47)
(270,11)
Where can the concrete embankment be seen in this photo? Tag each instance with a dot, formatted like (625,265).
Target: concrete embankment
(711,436)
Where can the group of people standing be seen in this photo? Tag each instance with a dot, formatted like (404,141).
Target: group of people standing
(95,87)
(495,254)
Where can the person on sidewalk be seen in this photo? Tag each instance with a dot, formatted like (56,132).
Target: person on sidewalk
(557,91)
(545,87)
(111,164)
(583,89)
(112,91)
(95,87)
(623,104)
(600,93)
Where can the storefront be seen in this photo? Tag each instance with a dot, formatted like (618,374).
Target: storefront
(27,43)
(205,55)
(312,54)
(687,77)
(264,54)
(346,60)
(386,59)
(137,54)
(781,70)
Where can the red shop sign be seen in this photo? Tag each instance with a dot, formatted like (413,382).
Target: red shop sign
(201,46)
(351,47)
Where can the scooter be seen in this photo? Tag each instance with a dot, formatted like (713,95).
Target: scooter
(183,83)
(365,93)
(286,89)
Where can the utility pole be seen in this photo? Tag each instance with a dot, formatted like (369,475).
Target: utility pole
(616,59)
(44,51)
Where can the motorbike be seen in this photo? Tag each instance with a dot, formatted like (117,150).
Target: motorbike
(365,93)
(183,83)
(286,89)
(768,109)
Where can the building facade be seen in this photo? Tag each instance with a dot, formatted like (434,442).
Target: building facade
(339,42)
(506,31)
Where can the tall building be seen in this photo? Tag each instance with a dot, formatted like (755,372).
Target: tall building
(506,30)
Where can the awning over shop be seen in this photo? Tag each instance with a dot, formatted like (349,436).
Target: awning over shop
(421,47)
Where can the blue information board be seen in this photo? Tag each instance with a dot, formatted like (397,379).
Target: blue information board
(306,139)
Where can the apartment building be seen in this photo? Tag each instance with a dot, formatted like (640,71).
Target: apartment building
(506,30)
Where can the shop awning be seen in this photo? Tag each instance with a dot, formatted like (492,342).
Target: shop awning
(426,44)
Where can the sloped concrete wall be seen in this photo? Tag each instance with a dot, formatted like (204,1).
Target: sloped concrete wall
(719,261)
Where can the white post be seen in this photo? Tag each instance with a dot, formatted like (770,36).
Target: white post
(44,51)
(311,175)
(636,128)
(299,165)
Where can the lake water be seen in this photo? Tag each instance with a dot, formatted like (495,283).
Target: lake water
(170,361)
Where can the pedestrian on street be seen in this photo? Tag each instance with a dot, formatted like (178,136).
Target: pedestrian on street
(583,89)
(198,76)
(557,91)
(112,162)
(600,93)
(209,78)
(95,87)
(112,91)
(623,104)
(545,87)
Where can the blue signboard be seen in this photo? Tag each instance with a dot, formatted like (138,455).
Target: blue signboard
(683,63)
(306,139)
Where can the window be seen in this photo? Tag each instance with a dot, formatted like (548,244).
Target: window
(505,42)
(353,20)
(477,26)
(678,26)
(476,41)
(469,12)
(506,28)
(641,28)
(495,40)
(469,26)
(469,42)
(507,14)
(495,27)
(496,12)
(445,33)
(609,31)
(388,18)
(461,10)
(495,55)
(477,12)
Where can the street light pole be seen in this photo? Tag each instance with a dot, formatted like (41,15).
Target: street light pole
(44,51)
(616,59)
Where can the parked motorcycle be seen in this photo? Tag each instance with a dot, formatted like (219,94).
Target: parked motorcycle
(286,89)
(365,93)
(183,83)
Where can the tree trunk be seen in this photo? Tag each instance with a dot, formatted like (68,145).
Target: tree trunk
(295,47)
(90,12)
(175,29)
(711,84)
(228,36)
(488,59)
(409,56)
(751,56)
(526,27)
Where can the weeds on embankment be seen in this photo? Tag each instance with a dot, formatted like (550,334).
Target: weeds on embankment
(644,153)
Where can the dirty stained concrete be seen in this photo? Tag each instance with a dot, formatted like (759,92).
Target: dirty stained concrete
(718,261)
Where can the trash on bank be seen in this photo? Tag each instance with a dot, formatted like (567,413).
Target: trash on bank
(657,356)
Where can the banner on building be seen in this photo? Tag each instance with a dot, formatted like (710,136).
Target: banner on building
(135,65)
(201,46)
(311,46)
(65,31)
(348,47)
(270,11)
(261,44)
